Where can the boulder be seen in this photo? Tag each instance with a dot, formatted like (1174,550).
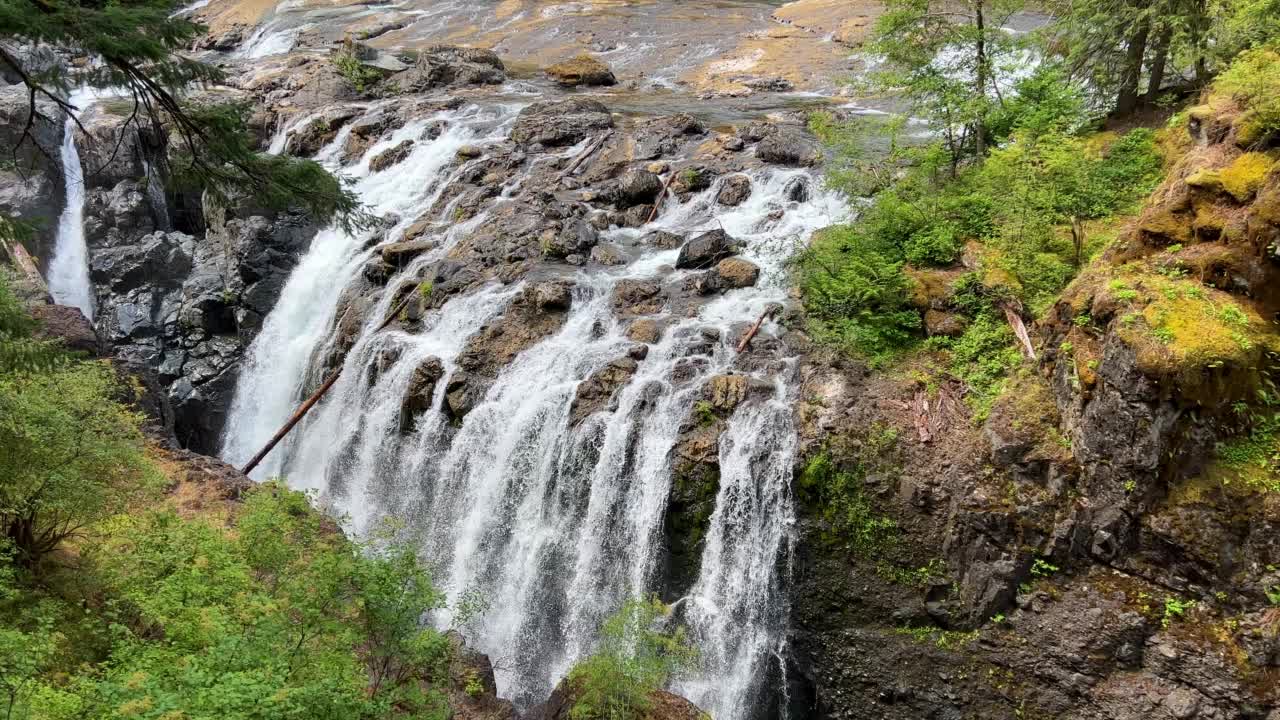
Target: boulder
(644,330)
(726,392)
(608,254)
(555,295)
(317,132)
(417,398)
(582,70)
(638,297)
(452,66)
(734,190)
(560,122)
(68,324)
(735,272)
(705,250)
(663,239)
(597,392)
(575,238)
(397,254)
(790,148)
(637,187)
(391,156)
(941,322)
(796,190)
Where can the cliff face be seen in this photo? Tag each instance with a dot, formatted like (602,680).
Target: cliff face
(1105,544)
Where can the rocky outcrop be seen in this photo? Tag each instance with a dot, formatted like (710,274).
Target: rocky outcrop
(598,391)
(440,66)
(560,122)
(186,308)
(663,705)
(581,70)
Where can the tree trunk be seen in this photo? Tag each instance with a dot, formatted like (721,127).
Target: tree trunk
(1127,96)
(1158,64)
(980,125)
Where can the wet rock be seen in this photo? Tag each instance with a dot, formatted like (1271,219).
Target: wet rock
(637,297)
(391,156)
(770,84)
(576,238)
(663,136)
(695,481)
(581,70)
(692,179)
(317,132)
(644,330)
(732,143)
(560,122)
(459,399)
(365,133)
(735,272)
(417,398)
(734,191)
(663,239)
(68,324)
(398,254)
(608,254)
(637,187)
(796,190)
(469,152)
(790,148)
(940,322)
(726,392)
(554,295)
(159,258)
(597,392)
(472,688)
(451,66)
(705,250)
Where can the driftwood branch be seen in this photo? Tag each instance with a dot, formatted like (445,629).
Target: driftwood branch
(661,194)
(303,409)
(746,339)
(1020,329)
(591,150)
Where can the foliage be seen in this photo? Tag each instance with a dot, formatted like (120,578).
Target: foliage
(275,616)
(135,47)
(361,76)
(636,657)
(1253,80)
(19,351)
(949,61)
(982,358)
(837,491)
(855,292)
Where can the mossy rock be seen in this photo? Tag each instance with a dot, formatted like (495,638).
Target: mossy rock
(1166,225)
(1246,175)
(1266,207)
(931,288)
(1241,179)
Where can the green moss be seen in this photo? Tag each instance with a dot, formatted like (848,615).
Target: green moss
(835,491)
(1245,175)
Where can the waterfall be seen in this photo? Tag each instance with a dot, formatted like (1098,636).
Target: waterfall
(69,267)
(551,524)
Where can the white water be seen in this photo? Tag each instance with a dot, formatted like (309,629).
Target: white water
(69,266)
(554,526)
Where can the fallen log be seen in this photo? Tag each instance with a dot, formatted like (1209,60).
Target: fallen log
(22,260)
(303,409)
(746,339)
(661,194)
(920,415)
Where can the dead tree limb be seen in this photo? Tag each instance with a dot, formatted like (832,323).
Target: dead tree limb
(746,339)
(661,194)
(1020,329)
(920,415)
(303,409)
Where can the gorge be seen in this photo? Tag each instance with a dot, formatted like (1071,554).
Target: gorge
(585,354)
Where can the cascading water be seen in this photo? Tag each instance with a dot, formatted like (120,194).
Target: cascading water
(69,267)
(553,523)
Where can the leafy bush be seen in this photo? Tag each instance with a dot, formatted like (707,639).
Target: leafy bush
(361,76)
(855,292)
(636,657)
(1253,80)
(276,615)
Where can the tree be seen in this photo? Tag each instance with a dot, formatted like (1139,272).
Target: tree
(134,46)
(951,61)
(1113,45)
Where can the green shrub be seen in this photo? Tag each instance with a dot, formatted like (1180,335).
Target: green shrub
(636,657)
(361,76)
(837,491)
